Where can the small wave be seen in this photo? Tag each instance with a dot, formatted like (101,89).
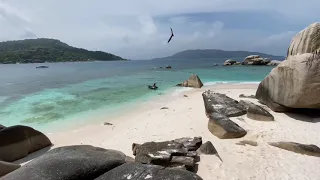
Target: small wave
(230,82)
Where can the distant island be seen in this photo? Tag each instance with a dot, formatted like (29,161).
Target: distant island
(48,50)
(216,53)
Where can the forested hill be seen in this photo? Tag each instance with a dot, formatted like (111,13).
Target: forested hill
(216,53)
(48,50)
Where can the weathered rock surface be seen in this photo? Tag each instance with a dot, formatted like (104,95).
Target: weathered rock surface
(220,103)
(219,108)
(306,41)
(193,81)
(81,162)
(168,67)
(295,83)
(168,153)
(274,63)
(7,167)
(258,113)
(307,149)
(207,148)
(137,171)
(17,142)
(255,60)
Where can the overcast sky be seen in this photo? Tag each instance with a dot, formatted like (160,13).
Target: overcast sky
(139,29)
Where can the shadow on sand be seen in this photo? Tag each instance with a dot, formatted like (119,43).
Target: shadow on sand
(306,115)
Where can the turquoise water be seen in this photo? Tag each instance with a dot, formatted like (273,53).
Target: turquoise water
(68,92)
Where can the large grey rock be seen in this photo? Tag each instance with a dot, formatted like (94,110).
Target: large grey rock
(229,62)
(7,167)
(306,41)
(307,149)
(17,142)
(193,81)
(82,162)
(162,153)
(295,83)
(137,171)
(219,108)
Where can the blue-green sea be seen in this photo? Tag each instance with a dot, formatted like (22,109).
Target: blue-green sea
(66,92)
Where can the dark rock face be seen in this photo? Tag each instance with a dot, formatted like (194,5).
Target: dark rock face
(307,149)
(17,142)
(81,162)
(193,81)
(2,126)
(219,108)
(207,148)
(137,171)
(256,112)
(7,167)
(168,67)
(179,152)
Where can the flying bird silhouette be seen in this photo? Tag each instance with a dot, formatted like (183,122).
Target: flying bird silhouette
(171,35)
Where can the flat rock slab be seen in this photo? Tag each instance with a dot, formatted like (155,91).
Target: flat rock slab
(137,171)
(7,167)
(168,153)
(220,103)
(307,149)
(17,142)
(81,162)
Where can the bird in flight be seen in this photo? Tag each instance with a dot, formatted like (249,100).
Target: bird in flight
(171,35)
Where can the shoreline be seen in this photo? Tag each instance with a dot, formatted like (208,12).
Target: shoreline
(151,102)
(185,117)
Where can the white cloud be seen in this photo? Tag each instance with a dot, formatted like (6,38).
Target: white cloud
(129,28)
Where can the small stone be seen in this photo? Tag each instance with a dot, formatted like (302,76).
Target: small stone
(164,108)
(106,123)
(207,148)
(249,142)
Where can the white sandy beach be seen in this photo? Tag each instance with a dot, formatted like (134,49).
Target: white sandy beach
(186,117)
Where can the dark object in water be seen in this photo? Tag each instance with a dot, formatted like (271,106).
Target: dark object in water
(41,67)
(153,87)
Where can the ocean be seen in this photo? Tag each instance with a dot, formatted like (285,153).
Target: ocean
(71,93)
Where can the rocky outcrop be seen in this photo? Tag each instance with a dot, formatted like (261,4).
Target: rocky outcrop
(17,142)
(255,60)
(193,81)
(274,63)
(70,162)
(7,167)
(2,126)
(137,171)
(168,67)
(229,62)
(219,108)
(295,83)
(176,153)
(306,41)
(307,149)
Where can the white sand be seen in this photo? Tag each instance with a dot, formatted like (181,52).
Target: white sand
(186,117)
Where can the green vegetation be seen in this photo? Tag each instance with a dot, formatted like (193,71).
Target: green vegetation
(48,50)
(215,53)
